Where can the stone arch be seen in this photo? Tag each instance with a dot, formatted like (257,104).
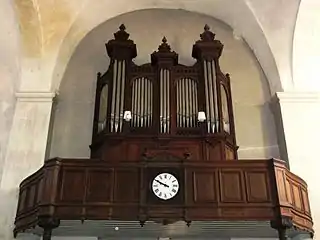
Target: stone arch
(247,27)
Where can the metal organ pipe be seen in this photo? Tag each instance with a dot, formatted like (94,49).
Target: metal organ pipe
(225,110)
(134,104)
(150,100)
(211,93)
(211,96)
(168,99)
(103,108)
(184,96)
(123,78)
(161,101)
(117,102)
(183,103)
(164,88)
(187,103)
(215,95)
(179,103)
(118,97)
(195,102)
(141,102)
(164,101)
(114,83)
(145,101)
(206,87)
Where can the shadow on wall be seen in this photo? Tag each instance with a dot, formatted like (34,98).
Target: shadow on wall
(72,120)
(257,113)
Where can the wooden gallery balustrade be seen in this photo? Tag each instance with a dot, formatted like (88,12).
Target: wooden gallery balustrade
(163,117)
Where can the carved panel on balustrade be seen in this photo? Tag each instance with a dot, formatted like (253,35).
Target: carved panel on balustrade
(31,194)
(99,186)
(205,186)
(281,185)
(258,187)
(232,186)
(229,193)
(73,186)
(126,186)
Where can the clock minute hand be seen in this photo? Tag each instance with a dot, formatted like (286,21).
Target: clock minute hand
(162,183)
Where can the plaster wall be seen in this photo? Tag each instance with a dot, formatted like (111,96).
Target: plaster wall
(306,47)
(300,114)
(9,72)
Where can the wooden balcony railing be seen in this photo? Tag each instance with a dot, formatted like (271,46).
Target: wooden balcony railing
(89,189)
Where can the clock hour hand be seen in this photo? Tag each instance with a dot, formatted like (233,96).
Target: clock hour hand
(162,183)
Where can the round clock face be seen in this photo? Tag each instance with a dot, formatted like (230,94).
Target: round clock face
(165,186)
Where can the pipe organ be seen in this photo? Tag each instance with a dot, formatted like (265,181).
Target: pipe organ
(165,97)
(211,96)
(164,101)
(141,102)
(116,115)
(187,103)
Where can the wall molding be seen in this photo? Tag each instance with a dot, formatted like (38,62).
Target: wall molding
(35,96)
(297,97)
(258,152)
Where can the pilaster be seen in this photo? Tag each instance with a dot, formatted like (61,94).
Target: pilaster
(299,117)
(25,152)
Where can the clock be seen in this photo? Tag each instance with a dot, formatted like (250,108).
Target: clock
(165,186)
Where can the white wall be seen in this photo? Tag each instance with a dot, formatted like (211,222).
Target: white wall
(306,48)
(9,71)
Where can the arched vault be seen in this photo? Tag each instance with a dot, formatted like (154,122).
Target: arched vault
(53,29)
(240,17)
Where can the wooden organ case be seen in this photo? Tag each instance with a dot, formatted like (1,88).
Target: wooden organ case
(163,150)
(166,100)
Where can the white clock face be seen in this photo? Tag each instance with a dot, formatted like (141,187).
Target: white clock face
(165,186)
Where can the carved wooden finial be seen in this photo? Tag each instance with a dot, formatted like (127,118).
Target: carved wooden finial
(164,47)
(122,27)
(164,40)
(121,35)
(207,35)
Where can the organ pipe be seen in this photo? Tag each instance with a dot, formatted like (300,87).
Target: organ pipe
(225,112)
(211,96)
(117,101)
(168,99)
(103,108)
(123,78)
(141,103)
(187,103)
(186,90)
(164,101)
